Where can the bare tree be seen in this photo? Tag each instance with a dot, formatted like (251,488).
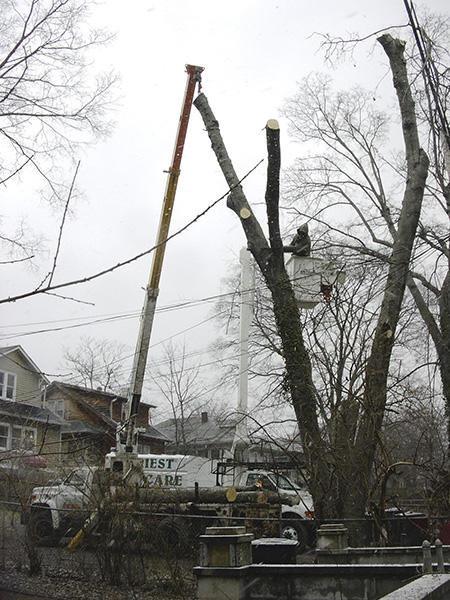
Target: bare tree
(181,387)
(361,442)
(51,99)
(97,364)
(358,171)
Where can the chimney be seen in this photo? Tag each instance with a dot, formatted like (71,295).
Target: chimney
(204,417)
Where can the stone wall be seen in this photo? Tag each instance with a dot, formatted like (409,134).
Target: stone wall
(399,555)
(227,572)
(301,582)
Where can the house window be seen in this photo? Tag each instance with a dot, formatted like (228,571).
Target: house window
(15,437)
(144,448)
(4,436)
(7,385)
(56,406)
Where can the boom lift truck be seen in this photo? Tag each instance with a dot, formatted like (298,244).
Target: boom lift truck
(46,511)
(49,520)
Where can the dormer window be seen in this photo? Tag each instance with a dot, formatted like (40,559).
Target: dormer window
(7,385)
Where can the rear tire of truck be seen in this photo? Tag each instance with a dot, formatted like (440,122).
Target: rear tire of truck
(293,529)
(40,530)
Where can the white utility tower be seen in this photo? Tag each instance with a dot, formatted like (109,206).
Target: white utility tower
(241,440)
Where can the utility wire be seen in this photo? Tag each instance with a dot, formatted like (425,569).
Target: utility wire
(428,72)
(128,261)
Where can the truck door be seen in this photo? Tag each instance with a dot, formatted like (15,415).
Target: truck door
(75,492)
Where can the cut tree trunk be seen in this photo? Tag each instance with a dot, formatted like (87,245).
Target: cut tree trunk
(271,263)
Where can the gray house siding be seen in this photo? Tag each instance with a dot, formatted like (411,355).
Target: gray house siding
(28,383)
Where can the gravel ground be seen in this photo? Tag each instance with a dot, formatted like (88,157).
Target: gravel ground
(62,588)
(77,575)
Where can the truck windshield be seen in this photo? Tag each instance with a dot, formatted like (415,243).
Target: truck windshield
(284,483)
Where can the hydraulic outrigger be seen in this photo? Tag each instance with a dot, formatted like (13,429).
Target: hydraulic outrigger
(126,439)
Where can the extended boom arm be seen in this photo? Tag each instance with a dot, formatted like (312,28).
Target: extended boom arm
(148,311)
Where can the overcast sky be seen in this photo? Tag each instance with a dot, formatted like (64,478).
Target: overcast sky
(255,52)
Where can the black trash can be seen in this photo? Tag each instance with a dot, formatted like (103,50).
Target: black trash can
(274,551)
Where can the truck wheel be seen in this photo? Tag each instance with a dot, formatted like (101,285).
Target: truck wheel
(40,528)
(294,530)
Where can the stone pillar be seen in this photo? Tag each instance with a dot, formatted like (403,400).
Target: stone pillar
(427,563)
(226,547)
(332,536)
(224,554)
(439,556)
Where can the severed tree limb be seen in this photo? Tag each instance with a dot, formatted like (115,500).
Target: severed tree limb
(395,49)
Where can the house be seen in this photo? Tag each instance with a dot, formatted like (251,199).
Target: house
(200,435)
(90,418)
(210,437)
(25,426)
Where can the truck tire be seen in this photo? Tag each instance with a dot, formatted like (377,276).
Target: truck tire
(39,528)
(293,529)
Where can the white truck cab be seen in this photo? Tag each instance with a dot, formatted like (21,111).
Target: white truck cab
(57,506)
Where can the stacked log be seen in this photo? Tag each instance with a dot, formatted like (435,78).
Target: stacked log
(215,495)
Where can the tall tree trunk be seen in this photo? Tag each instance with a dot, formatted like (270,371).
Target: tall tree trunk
(377,369)
(444,353)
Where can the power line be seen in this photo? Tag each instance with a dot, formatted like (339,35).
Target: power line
(128,261)
(109,317)
(113,317)
(166,308)
(429,69)
(33,393)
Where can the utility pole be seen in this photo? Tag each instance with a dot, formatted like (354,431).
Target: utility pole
(241,439)
(126,438)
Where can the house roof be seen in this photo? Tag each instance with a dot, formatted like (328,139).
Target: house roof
(198,432)
(80,427)
(80,395)
(29,412)
(72,427)
(6,350)
(91,392)
(153,432)
(221,433)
